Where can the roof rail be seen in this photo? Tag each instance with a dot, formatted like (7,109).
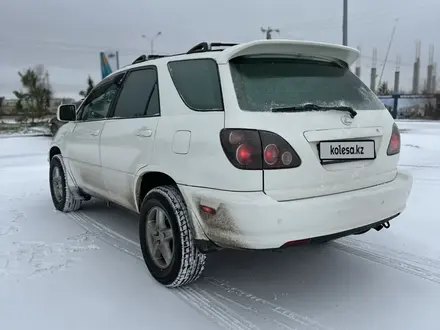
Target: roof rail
(153,57)
(140,59)
(201,47)
(144,58)
(208,47)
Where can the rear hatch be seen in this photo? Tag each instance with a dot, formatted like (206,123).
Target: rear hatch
(338,153)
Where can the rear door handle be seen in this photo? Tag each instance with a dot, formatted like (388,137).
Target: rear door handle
(144,132)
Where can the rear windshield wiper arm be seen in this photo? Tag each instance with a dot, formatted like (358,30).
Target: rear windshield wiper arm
(315,107)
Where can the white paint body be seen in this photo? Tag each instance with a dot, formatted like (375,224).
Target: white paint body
(107,159)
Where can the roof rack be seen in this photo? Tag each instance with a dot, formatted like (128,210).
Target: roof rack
(208,47)
(144,58)
(153,57)
(140,59)
(199,48)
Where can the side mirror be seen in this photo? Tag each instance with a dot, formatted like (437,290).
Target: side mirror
(66,112)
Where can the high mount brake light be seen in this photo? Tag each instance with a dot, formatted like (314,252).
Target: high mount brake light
(250,149)
(394,144)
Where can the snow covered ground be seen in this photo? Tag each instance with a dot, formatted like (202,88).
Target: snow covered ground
(85,271)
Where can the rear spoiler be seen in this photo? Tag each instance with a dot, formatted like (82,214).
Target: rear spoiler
(290,47)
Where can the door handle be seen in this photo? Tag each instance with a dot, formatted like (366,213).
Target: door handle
(95,133)
(144,132)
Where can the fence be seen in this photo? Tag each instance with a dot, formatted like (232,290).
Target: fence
(413,105)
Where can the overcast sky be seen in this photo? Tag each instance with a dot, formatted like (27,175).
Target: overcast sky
(66,36)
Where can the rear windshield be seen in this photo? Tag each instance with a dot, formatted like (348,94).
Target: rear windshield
(265,83)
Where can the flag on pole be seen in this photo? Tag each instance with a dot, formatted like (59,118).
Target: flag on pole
(109,62)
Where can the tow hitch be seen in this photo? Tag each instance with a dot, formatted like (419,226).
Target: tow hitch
(384,225)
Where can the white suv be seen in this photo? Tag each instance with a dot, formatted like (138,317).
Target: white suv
(259,145)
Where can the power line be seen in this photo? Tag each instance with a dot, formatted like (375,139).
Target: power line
(130,51)
(86,49)
(358,18)
(94,50)
(335,22)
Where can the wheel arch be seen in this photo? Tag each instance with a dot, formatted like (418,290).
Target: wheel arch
(149,180)
(54,150)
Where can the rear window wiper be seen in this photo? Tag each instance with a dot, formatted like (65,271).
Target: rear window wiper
(315,107)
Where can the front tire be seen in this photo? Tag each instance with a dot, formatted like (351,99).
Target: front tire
(62,197)
(166,239)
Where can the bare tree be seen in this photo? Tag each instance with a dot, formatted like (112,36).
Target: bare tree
(34,98)
(90,86)
(384,89)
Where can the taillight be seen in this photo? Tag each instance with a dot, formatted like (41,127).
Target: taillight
(250,149)
(394,144)
(244,154)
(277,152)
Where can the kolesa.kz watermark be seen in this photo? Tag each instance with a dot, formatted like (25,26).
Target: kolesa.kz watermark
(340,150)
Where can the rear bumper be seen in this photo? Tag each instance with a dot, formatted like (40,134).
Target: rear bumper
(379,224)
(255,221)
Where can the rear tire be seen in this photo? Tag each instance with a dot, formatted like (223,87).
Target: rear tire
(62,197)
(174,261)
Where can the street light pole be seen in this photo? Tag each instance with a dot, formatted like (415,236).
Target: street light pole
(268,32)
(345,23)
(152,41)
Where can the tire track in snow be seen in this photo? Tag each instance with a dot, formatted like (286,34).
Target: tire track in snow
(220,315)
(31,259)
(107,235)
(207,299)
(420,166)
(252,310)
(423,261)
(423,267)
(12,226)
(254,301)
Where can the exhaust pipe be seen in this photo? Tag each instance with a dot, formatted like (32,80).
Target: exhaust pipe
(384,225)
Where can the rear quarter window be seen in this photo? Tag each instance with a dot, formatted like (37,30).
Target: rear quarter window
(264,83)
(198,84)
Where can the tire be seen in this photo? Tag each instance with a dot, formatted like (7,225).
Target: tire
(62,197)
(187,262)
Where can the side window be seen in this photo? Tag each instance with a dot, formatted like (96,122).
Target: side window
(198,83)
(98,105)
(139,96)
